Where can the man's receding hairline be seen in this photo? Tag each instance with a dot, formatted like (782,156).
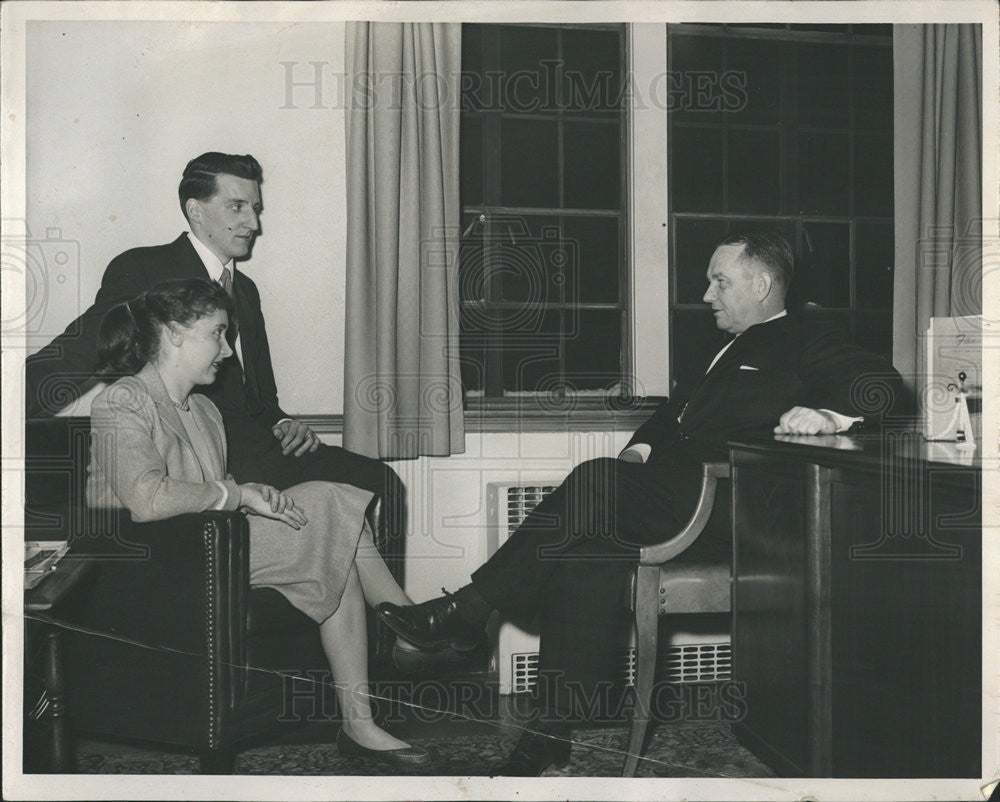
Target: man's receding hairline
(754,264)
(745,261)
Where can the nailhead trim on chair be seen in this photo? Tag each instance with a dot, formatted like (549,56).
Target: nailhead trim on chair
(207,533)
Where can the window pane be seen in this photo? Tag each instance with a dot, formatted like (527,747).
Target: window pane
(694,341)
(593,350)
(592,272)
(754,171)
(529,258)
(873,175)
(784,227)
(873,30)
(823,274)
(473,341)
(758,61)
(471,166)
(591,73)
(592,168)
(822,76)
(528,84)
(472,48)
(531,350)
(470,267)
(821,28)
(824,174)
(873,87)
(529,162)
(875,254)
(694,243)
(696,169)
(694,78)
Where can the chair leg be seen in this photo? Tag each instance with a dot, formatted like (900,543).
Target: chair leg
(217,761)
(647,608)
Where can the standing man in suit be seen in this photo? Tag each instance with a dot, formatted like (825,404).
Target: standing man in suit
(220,198)
(570,559)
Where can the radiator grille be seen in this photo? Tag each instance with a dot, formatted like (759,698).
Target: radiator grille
(697,662)
(698,656)
(521,500)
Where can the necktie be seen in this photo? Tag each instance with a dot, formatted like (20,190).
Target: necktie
(226,280)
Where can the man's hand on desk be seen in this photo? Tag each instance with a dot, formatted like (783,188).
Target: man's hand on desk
(802,420)
(295,436)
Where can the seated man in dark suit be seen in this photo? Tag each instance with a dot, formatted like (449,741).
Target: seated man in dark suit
(220,197)
(570,559)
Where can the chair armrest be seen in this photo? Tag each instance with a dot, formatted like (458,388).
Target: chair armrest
(179,580)
(711,473)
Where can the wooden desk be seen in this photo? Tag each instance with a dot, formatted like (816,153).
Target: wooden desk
(857,605)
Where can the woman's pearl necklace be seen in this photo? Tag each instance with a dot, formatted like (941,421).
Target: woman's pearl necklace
(185,407)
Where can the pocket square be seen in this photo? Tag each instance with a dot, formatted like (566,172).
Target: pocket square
(748,367)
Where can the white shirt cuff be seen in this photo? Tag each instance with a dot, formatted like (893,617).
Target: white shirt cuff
(843,421)
(225,495)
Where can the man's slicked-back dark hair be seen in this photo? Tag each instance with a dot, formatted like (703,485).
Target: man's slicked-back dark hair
(198,181)
(771,249)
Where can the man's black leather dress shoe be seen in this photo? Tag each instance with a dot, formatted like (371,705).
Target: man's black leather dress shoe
(433,624)
(533,754)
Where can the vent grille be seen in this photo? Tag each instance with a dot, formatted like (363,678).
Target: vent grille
(695,652)
(521,500)
(700,662)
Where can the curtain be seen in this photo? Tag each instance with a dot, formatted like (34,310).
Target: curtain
(937,130)
(402,384)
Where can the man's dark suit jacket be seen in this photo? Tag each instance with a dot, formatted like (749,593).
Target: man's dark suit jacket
(63,370)
(767,370)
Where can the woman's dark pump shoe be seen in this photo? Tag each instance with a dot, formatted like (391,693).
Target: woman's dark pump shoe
(534,754)
(400,758)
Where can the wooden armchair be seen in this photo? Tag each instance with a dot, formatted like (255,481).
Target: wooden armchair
(662,587)
(167,642)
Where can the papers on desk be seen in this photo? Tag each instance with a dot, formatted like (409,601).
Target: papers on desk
(950,390)
(40,559)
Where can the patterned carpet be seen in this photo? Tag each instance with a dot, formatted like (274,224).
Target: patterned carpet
(674,750)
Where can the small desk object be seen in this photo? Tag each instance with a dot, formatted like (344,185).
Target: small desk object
(858,603)
(42,638)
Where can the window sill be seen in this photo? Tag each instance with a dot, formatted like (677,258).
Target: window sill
(528,415)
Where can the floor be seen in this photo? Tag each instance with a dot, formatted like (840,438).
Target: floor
(469,729)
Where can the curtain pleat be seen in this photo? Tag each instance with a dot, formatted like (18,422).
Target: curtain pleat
(402,383)
(937,130)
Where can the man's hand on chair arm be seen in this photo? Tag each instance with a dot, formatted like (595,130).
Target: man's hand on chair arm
(637,452)
(803,420)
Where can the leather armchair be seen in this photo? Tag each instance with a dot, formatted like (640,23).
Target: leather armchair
(168,642)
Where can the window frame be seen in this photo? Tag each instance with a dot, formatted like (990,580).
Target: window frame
(789,129)
(492,406)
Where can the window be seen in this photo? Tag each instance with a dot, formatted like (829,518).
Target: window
(786,127)
(543,279)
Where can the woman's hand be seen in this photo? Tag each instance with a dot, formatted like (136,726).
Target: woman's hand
(260,499)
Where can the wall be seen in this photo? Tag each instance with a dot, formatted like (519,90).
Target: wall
(114,112)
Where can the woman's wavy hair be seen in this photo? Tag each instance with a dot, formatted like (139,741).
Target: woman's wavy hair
(129,336)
